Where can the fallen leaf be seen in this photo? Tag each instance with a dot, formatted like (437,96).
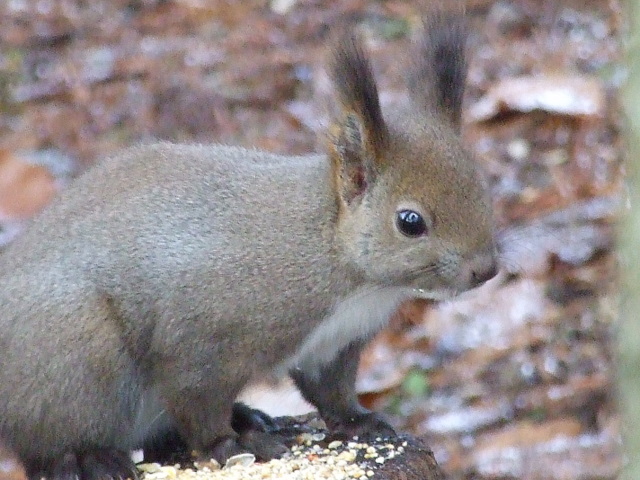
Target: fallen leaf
(25,189)
(560,94)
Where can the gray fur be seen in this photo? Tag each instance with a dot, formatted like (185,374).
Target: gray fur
(359,316)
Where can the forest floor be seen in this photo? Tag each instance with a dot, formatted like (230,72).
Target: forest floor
(515,380)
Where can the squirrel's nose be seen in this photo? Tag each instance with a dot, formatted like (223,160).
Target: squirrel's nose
(483,268)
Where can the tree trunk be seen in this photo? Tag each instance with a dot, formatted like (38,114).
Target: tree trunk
(629,335)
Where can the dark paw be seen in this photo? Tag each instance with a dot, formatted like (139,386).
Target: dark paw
(367,425)
(263,445)
(245,418)
(92,465)
(167,447)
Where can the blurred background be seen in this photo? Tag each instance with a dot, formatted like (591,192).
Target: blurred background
(513,380)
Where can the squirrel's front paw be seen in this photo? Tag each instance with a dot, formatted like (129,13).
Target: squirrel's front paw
(245,419)
(362,425)
(263,445)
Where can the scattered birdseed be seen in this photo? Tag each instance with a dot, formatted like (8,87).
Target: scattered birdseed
(210,465)
(242,459)
(336,460)
(158,472)
(137,456)
(149,467)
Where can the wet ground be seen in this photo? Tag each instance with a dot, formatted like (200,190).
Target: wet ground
(514,380)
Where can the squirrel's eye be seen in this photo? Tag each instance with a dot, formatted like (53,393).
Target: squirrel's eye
(411,223)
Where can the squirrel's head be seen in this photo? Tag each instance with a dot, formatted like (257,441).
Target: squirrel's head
(413,209)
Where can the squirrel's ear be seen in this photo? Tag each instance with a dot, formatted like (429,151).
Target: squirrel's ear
(357,137)
(437,80)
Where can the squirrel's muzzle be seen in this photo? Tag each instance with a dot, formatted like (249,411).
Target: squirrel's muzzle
(482,268)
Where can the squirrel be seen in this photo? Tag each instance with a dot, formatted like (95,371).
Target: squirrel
(167,277)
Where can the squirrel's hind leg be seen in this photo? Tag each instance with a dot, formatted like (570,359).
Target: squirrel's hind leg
(99,464)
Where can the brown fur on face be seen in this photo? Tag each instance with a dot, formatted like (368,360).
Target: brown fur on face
(415,160)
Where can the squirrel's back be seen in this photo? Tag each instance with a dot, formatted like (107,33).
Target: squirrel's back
(158,193)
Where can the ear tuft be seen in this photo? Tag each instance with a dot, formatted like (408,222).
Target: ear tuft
(356,87)
(438,77)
